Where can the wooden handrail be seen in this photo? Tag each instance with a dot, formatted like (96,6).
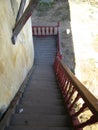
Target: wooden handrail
(88,97)
(69,84)
(27,13)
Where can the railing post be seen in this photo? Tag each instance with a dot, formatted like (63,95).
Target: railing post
(19,25)
(59,44)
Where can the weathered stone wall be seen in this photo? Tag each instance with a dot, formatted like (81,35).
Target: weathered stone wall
(15,60)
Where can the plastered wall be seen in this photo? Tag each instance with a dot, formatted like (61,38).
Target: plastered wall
(15,60)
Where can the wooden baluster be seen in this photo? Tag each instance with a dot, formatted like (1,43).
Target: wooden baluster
(57,68)
(35,31)
(60,77)
(67,99)
(70,85)
(75,100)
(90,121)
(64,85)
(41,31)
(47,33)
(64,80)
(53,31)
(80,110)
(65,88)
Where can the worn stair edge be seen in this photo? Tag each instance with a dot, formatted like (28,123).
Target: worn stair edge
(32,92)
(44,87)
(34,128)
(48,97)
(29,109)
(42,101)
(40,121)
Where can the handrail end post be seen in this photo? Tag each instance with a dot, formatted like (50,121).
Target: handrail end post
(13,39)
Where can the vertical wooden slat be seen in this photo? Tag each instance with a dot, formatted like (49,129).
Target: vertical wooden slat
(80,110)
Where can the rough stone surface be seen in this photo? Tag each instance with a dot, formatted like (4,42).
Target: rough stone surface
(47,1)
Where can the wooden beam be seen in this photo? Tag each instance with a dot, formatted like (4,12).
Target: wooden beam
(21,9)
(19,25)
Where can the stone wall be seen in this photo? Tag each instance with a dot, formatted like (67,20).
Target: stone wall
(15,60)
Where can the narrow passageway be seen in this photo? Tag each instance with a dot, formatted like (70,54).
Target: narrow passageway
(42,104)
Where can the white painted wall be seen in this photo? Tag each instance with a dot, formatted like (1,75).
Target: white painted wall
(15,60)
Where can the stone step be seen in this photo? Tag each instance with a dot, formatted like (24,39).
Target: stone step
(40,121)
(41,109)
(47,95)
(42,79)
(40,82)
(44,62)
(46,86)
(43,89)
(36,84)
(44,76)
(52,103)
(44,93)
(36,128)
(42,100)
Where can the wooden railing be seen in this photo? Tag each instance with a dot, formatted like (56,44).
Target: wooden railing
(73,90)
(44,30)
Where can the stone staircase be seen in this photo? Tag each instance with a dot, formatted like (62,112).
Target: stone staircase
(41,106)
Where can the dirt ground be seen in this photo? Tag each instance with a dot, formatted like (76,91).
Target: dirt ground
(79,37)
